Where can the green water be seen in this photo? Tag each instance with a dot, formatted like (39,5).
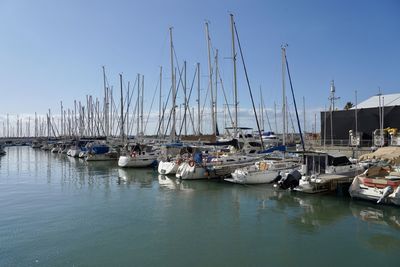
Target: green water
(58,211)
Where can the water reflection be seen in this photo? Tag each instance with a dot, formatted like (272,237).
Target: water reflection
(141,177)
(167,183)
(306,213)
(375,214)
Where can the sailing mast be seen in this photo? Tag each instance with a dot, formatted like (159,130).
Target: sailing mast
(234,76)
(198,99)
(210,81)
(122,110)
(160,103)
(173,134)
(216,92)
(283,48)
(106,118)
(141,109)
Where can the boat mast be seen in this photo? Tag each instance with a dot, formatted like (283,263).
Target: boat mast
(138,108)
(185,105)
(216,91)
(122,110)
(128,105)
(106,122)
(262,110)
(304,114)
(210,81)
(276,122)
(160,103)
(234,76)
(198,99)
(62,121)
(173,134)
(141,109)
(283,48)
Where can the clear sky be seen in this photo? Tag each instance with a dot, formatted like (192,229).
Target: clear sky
(53,50)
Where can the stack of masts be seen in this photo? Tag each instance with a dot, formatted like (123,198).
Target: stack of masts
(99,117)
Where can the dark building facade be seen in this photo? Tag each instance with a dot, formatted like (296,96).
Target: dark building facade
(367,121)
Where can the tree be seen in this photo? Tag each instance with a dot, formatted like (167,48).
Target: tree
(348,105)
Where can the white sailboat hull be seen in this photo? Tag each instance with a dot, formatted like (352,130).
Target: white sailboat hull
(240,176)
(136,162)
(187,172)
(167,167)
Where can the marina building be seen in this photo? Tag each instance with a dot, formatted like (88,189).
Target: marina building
(343,127)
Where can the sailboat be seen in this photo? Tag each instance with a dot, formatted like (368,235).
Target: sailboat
(265,171)
(139,156)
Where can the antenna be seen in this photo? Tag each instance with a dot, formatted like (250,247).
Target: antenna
(332,97)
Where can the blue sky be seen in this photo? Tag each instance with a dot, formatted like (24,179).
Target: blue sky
(53,50)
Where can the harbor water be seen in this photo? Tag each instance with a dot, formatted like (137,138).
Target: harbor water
(61,211)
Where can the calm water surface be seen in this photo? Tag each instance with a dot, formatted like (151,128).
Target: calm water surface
(58,211)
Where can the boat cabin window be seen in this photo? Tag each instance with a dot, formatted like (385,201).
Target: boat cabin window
(315,164)
(338,161)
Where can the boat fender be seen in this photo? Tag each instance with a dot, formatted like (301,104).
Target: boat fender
(133,154)
(386,192)
(263,166)
(191,163)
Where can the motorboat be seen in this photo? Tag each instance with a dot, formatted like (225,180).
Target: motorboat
(100,152)
(323,172)
(265,171)
(204,166)
(378,184)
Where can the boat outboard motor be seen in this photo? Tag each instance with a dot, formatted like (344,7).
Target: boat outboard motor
(386,192)
(277,178)
(291,180)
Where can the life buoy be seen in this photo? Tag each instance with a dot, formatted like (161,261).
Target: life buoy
(191,163)
(263,166)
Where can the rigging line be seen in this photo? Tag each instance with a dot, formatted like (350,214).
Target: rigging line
(164,109)
(129,105)
(248,85)
(205,99)
(180,82)
(151,106)
(133,119)
(226,99)
(186,105)
(294,101)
